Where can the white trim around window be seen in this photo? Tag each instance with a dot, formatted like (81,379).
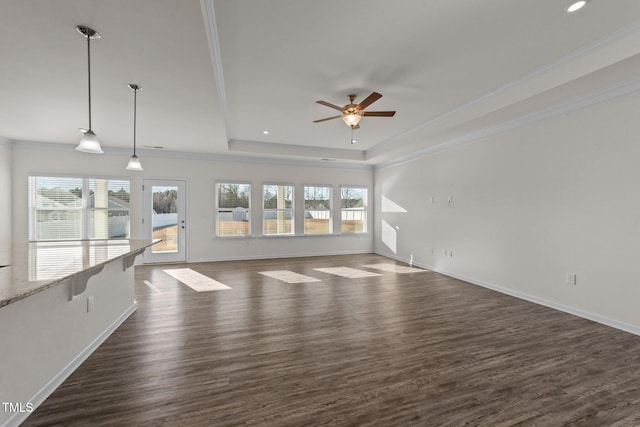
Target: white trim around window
(353,209)
(78,208)
(278,213)
(233,209)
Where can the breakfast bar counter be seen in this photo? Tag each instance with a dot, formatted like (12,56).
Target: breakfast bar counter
(29,268)
(58,302)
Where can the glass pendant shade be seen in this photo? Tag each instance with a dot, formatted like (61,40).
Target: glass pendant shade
(351,119)
(576,6)
(89,143)
(134,164)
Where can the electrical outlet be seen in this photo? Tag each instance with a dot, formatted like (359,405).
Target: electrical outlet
(89,304)
(570,278)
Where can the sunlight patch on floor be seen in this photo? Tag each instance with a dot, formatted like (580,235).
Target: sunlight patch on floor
(196,281)
(393,268)
(289,276)
(350,273)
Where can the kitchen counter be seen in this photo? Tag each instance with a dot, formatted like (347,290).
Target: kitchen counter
(59,301)
(34,267)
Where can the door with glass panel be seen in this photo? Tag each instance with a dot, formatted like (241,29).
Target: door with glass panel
(165,218)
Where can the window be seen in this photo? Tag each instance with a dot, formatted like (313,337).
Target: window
(317,209)
(353,205)
(234,213)
(62,208)
(277,209)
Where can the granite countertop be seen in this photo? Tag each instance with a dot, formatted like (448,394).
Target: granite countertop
(34,267)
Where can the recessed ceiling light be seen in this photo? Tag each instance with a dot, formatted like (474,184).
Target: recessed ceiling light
(266,132)
(576,6)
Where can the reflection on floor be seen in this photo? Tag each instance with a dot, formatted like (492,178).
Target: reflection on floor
(348,272)
(196,281)
(393,268)
(289,276)
(201,283)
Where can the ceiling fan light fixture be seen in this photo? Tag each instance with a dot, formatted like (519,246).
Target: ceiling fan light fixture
(352,113)
(351,119)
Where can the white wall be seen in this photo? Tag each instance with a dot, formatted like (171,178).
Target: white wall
(201,175)
(6,224)
(529,205)
(46,336)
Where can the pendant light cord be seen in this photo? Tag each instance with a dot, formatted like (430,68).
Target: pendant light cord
(135,109)
(89,73)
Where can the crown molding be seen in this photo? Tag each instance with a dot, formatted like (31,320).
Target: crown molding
(577,103)
(295,150)
(213,41)
(145,153)
(617,36)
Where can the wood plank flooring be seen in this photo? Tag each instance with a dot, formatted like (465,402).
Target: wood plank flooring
(416,349)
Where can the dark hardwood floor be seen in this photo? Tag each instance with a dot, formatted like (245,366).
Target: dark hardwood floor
(415,349)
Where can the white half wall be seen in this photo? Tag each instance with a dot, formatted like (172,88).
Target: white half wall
(6,224)
(519,210)
(201,175)
(46,336)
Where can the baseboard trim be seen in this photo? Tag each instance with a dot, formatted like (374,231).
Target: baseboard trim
(616,324)
(18,418)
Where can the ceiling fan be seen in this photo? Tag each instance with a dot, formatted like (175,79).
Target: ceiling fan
(352,113)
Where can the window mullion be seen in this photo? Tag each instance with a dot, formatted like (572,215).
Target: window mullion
(84,215)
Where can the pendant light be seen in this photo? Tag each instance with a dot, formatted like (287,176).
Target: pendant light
(134,161)
(89,142)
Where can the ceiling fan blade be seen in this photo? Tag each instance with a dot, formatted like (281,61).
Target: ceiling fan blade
(379,113)
(324,120)
(330,105)
(369,100)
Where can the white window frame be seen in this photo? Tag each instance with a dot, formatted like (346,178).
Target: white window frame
(351,211)
(246,212)
(328,211)
(85,209)
(277,211)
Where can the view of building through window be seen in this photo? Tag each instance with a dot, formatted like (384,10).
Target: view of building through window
(353,206)
(233,212)
(70,208)
(317,210)
(233,209)
(278,209)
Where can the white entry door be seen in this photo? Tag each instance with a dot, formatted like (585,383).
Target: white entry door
(165,218)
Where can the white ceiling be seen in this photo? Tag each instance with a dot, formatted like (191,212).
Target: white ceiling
(217,73)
